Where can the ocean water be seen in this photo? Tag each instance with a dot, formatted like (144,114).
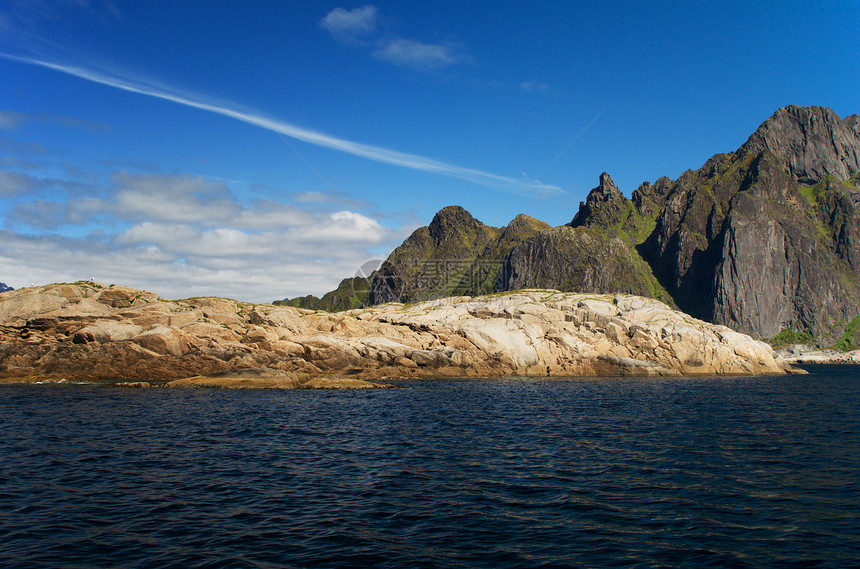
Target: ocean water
(693,472)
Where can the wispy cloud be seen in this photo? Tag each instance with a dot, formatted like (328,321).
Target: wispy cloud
(12,183)
(181,199)
(417,55)
(370,152)
(351,26)
(10,121)
(358,27)
(535,86)
(28,14)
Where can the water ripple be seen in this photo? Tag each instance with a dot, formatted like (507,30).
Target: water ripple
(706,472)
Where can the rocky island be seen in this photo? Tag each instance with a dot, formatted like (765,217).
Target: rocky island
(89,332)
(764,240)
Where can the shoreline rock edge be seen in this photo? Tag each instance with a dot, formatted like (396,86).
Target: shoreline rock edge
(89,332)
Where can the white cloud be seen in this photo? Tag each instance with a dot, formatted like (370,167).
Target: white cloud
(183,235)
(177,261)
(350,26)
(224,242)
(268,214)
(539,189)
(417,55)
(186,199)
(345,226)
(13,183)
(358,27)
(312,197)
(535,87)
(165,235)
(39,214)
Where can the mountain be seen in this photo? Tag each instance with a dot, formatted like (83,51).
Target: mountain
(449,257)
(5,288)
(765,240)
(350,293)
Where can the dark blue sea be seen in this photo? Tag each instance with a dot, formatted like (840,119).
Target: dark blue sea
(693,472)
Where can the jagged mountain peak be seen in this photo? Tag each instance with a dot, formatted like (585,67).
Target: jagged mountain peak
(607,187)
(813,141)
(603,205)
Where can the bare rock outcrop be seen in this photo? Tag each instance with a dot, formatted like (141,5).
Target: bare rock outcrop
(812,141)
(87,332)
(603,207)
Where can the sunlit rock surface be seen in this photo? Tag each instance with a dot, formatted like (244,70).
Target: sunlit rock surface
(88,332)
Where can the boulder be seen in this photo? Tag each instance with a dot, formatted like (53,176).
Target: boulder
(106,331)
(164,340)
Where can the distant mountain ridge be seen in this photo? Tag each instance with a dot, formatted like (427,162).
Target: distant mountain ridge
(765,239)
(5,288)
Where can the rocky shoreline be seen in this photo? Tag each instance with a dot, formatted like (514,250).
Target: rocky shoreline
(89,332)
(803,354)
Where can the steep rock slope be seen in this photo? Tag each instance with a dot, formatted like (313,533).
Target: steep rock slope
(442,259)
(763,239)
(746,241)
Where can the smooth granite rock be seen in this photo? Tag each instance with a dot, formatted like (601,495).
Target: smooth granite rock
(95,334)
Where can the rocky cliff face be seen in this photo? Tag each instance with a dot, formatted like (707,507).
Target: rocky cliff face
(87,332)
(763,239)
(573,259)
(596,252)
(813,142)
(605,206)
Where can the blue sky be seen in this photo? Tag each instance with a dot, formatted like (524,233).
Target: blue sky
(266,149)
